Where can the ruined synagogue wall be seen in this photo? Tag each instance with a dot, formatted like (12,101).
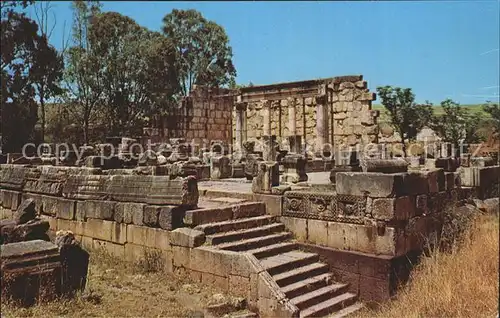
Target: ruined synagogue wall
(350,119)
(204,116)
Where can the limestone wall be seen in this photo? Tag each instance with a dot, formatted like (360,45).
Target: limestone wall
(384,214)
(131,216)
(349,115)
(202,117)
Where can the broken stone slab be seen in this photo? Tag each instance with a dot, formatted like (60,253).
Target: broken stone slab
(337,169)
(267,177)
(10,199)
(447,164)
(30,272)
(187,237)
(45,181)
(481,162)
(238,170)
(171,217)
(425,181)
(33,230)
(13,177)
(252,165)
(384,165)
(294,169)
(74,263)
(220,167)
(86,187)
(389,209)
(25,212)
(156,190)
(372,184)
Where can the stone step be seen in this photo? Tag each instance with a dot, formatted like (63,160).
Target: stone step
(287,261)
(319,295)
(347,311)
(234,225)
(227,200)
(232,236)
(274,249)
(245,245)
(243,314)
(218,212)
(306,285)
(329,306)
(300,273)
(248,209)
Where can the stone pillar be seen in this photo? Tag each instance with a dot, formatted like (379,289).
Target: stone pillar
(266,114)
(292,120)
(293,139)
(269,152)
(240,125)
(266,178)
(220,167)
(294,169)
(321,121)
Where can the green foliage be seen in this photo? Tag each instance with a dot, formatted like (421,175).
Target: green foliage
(459,124)
(26,61)
(494,111)
(405,115)
(83,73)
(204,56)
(137,69)
(49,72)
(233,85)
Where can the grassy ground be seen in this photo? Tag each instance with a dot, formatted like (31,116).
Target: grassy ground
(461,284)
(438,110)
(119,289)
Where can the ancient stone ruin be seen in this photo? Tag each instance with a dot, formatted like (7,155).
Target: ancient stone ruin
(296,229)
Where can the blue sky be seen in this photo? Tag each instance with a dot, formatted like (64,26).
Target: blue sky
(441,49)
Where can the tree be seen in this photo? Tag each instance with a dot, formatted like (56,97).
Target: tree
(24,52)
(456,124)
(494,111)
(204,56)
(48,73)
(83,73)
(407,117)
(233,85)
(138,74)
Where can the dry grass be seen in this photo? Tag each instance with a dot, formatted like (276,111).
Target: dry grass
(119,289)
(463,283)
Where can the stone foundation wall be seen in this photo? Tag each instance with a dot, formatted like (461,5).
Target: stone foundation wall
(384,214)
(131,216)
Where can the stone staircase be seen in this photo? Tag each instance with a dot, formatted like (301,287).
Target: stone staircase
(305,280)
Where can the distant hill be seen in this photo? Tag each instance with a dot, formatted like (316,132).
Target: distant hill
(438,110)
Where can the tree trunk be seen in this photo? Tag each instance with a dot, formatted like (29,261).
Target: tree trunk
(86,128)
(403,141)
(42,106)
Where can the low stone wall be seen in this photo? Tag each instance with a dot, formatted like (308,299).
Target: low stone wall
(384,214)
(375,225)
(132,217)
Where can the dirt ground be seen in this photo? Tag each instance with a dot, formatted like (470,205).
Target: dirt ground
(119,289)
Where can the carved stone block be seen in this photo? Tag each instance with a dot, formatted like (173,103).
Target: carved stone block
(324,206)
